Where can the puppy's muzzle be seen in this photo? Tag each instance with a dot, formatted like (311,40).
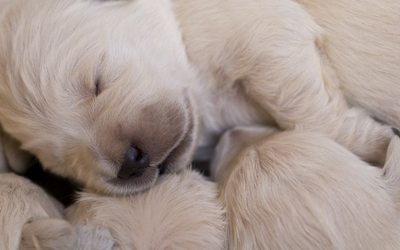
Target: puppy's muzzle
(134,164)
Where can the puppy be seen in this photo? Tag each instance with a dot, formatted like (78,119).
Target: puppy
(301,190)
(181,211)
(115,93)
(30,218)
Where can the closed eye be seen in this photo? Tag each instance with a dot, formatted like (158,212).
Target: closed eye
(97,86)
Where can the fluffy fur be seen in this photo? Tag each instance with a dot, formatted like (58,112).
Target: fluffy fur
(82,80)
(91,237)
(181,211)
(301,190)
(30,218)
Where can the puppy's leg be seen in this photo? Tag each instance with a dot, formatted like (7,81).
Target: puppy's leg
(47,233)
(21,204)
(293,80)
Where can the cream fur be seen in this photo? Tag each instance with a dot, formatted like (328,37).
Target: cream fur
(75,129)
(30,218)
(91,237)
(164,67)
(48,234)
(12,155)
(180,212)
(301,190)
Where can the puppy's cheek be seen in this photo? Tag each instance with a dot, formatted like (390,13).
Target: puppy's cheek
(181,156)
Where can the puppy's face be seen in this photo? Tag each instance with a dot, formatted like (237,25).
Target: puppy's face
(97,90)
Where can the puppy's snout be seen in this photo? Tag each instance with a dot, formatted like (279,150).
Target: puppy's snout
(135,163)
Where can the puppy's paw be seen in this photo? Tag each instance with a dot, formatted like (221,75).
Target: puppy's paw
(91,237)
(47,234)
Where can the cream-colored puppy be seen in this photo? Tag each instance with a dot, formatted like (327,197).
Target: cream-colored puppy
(113,93)
(301,190)
(30,218)
(181,211)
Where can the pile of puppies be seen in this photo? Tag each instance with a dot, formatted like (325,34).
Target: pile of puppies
(117,95)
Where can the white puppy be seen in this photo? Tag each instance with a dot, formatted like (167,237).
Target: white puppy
(113,93)
(181,211)
(301,190)
(30,218)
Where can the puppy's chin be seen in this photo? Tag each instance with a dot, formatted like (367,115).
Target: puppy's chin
(133,184)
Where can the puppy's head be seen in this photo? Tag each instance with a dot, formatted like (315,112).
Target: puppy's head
(97,90)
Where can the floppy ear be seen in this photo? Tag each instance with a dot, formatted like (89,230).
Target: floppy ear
(47,233)
(391,169)
(12,156)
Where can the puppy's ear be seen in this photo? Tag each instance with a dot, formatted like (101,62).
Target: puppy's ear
(46,234)
(12,156)
(391,169)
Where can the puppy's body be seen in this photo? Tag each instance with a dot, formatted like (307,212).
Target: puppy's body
(154,75)
(361,41)
(296,190)
(180,212)
(29,217)
(275,53)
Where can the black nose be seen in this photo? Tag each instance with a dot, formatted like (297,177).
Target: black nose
(135,163)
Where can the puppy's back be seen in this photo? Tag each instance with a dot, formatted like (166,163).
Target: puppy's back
(304,191)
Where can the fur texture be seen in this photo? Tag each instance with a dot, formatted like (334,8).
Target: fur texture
(301,190)
(93,91)
(48,234)
(90,237)
(180,212)
(30,218)
(83,80)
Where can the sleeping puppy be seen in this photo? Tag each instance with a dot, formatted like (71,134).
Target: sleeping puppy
(30,218)
(181,211)
(115,93)
(301,190)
